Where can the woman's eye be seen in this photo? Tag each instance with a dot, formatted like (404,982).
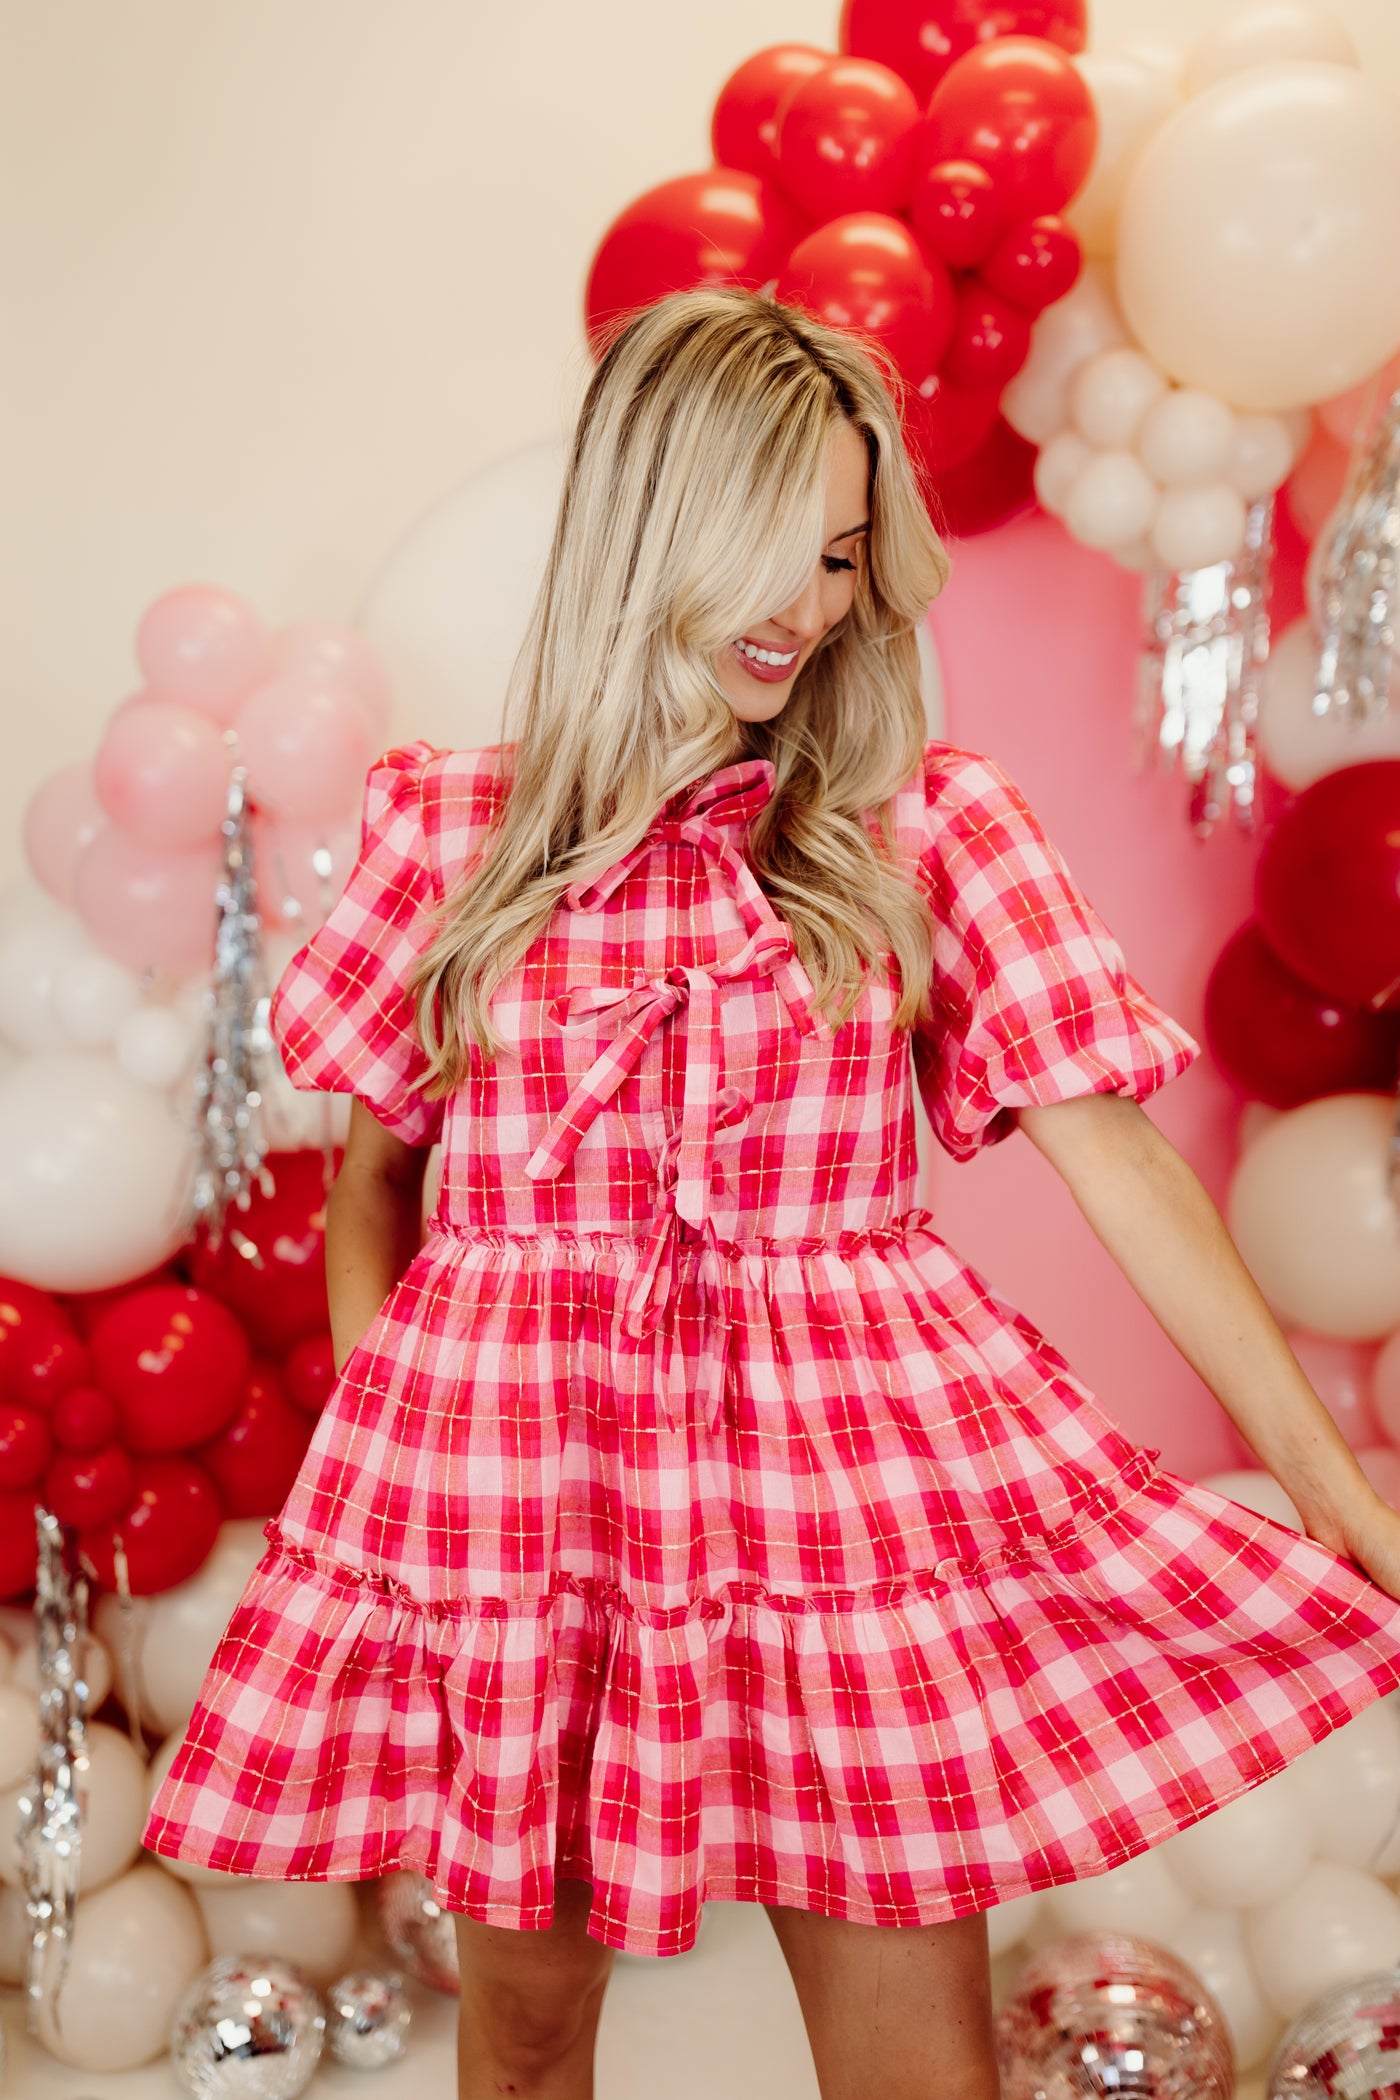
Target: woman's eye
(833,562)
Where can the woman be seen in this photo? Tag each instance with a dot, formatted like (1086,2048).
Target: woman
(687,1521)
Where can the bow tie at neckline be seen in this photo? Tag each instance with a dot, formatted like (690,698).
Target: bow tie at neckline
(731,795)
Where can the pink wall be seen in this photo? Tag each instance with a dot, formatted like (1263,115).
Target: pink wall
(1038,638)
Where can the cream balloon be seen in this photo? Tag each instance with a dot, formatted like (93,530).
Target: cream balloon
(1212,1944)
(1112,501)
(1299,746)
(1008,1923)
(115,1816)
(1036,402)
(92,996)
(313,1923)
(1255,1118)
(1111,394)
(1263,456)
(1353,415)
(183,1869)
(19,1735)
(1252,232)
(96,1667)
(32,961)
(1311,1212)
(1335,1924)
(175,1633)
(155,1046)
(1348,1787)
(1131,98)
(1142,1895)
(1187,436)
(1263,31)
(1198,526)
(1250,1851)
(137,1946)
(1058,465)
(1257,1490)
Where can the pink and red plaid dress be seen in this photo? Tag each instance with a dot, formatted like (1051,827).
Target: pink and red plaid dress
(691,1521)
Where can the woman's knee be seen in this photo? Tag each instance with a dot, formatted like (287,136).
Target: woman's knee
(534,1997)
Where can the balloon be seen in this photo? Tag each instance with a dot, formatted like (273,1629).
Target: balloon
(1381,1465)
(1111,395)
(1112,501)
(175,1361)
(945,427)
(1019,109)
(318,1921)
(306,744)
(63,816)
(1034,263)
(744,126)
(319,651)
(84,1419)
(19,1739)
(255,1458)
(1262,458)
(93,1174)
(867,272)
(1351,417)
(921,38)
(32,960)
(1255,1489)
(92,995)
(1336,1923)
(155,1046)
(1314,488)
(957,210)
(1075,328)
(31,1322)
(162,774)
(137,1945)
(25,1445)
(283,1297)
(90,1487)
(308,1372)
(1311,1213)
(1187,436)
(168,1528)
(1141,1895)
(1349,1789)
(1328,884)
(19,1544)
(1298,746)
(720,226)
(302,869)
(990,342)
(1059,464)
(86,1308)
(1282,1041)
(1250,1851)
(114,1815)
(203,648)
(1211,1942)
(175,1634)
(1250,230)
(846,140)
(1259,35)
(152,909)
(1198,526)
(989,489)
(94,1663)
(1131,98)
(45,1362)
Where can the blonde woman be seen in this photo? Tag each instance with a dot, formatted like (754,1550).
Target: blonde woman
(687,1520)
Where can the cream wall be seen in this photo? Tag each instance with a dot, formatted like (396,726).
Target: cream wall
(279,272)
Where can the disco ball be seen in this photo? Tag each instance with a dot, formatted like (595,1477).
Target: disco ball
(421,1935)
(1346,2042)
(250,2027)
(1109,2013)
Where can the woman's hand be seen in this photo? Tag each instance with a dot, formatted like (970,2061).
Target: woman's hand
(1367,1530)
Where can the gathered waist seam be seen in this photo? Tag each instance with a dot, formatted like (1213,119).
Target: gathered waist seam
(853,1240)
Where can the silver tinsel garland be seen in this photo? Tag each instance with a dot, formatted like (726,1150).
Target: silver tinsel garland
(1206,641)
(229,1139)
(1358,589)
(52,1804)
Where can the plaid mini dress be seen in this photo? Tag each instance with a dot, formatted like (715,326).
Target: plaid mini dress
(691,1521)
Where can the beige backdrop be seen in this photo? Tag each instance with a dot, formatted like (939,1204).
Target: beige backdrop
(278,272)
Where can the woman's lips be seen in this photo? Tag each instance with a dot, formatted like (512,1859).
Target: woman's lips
(766,674)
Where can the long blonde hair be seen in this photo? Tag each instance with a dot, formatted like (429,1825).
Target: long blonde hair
(694,505)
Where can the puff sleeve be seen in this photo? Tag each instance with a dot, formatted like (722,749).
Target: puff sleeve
(1032,1001)
(341,1014)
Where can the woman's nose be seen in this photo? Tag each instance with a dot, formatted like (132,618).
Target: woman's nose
(803,616)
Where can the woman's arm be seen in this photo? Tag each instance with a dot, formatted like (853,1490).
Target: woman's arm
(373,1225)
(1148,1208)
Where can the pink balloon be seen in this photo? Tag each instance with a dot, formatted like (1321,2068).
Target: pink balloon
(162,774)
(1381,1465)
(1352,416)
(204,647)
(301,869)
(1314,488)
(317,649)
(62,820)
(1385,1386)
(307,748)
(1340,1373)
(152,910)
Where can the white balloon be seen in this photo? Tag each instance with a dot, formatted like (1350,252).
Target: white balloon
(25,902)
(1036,402)
(96,1668)
(19,1735)
(1250,1851)
(1112,502)
(115,1815)
(175,1633)
(1212,1945)
(1256,1490)
(92,996)
(137,1946)
(1261,31)
(1142,1895)
(155,1046)
(94,1173)
(1335,1924)
(1349,1789)
(1131,98)
(31,958)
(1009,1922)
(1255,1118)
(1263,456)
(1058,465)
(313,1923)
(1299,746)
(1187,436)
(1140,556)
(1196,527)
(1111,394)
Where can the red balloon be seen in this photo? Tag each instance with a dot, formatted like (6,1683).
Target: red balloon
(46,1364)
(168,1527)
(867,272)
(1284,1043)
(945,427)
(921,38)
(957,210)
(90,1487)
(1327,884)
(85,1308)
(1022,111)
(846,140)
(722,226)
(991,340)
(29,1321)
(1034,263)
(175,1360)
(989,489)
(308,1373)
(255,1460)
(744,127)
(19,1545)
(25,1444)
(282,1296)
(84,1420)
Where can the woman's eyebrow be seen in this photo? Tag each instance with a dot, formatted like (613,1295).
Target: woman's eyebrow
(849,533)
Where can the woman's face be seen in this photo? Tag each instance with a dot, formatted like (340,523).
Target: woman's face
(759,690)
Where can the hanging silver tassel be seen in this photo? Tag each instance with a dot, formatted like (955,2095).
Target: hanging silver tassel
(230,1146)
(1205,645)
(53,1802)
(1358,594)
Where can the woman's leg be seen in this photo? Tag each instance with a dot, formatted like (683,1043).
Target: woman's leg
(530,2004)
(893,2012)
